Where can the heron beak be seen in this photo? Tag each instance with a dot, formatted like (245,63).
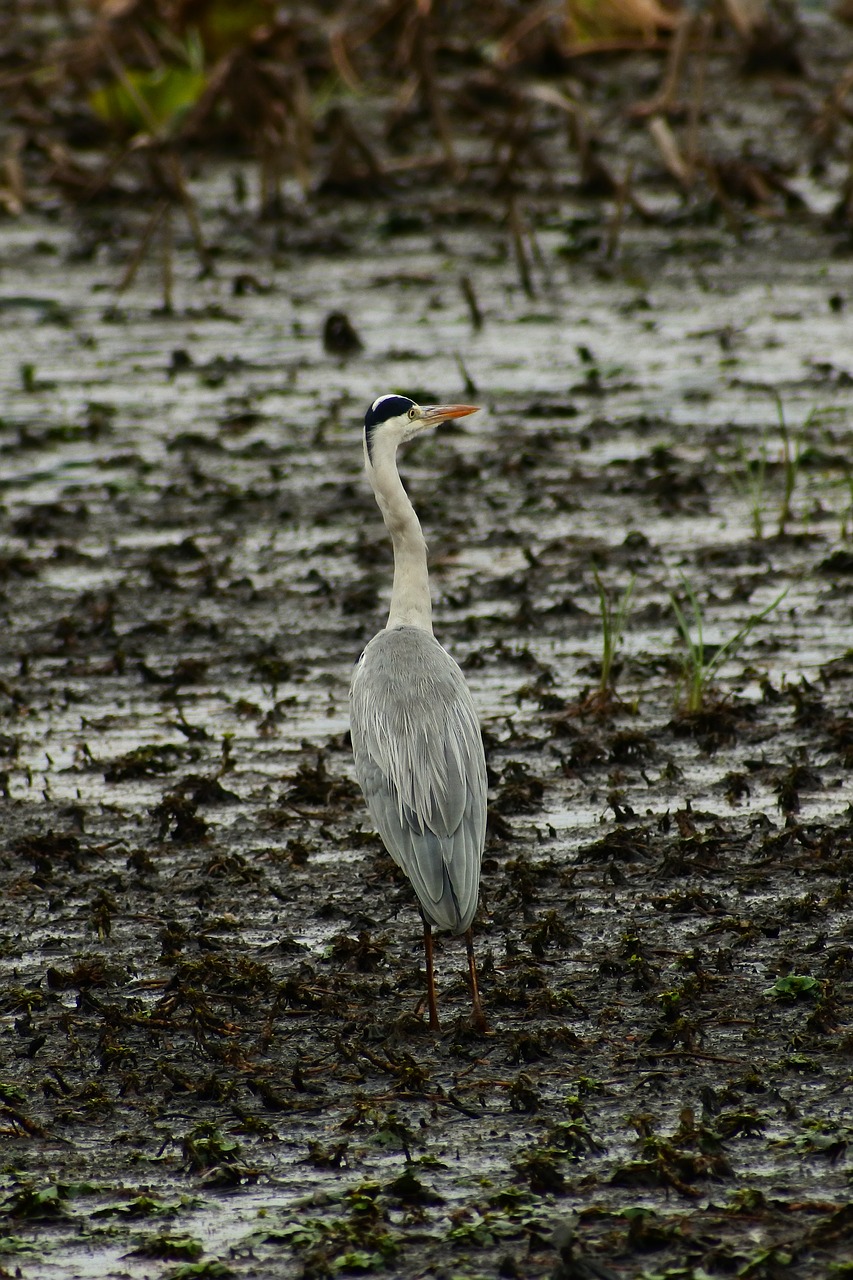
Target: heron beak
(432,414)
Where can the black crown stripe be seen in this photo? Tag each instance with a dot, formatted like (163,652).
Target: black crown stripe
(384,408)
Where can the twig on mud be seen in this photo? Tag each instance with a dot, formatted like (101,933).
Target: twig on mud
(168,250)
(730,214)
(377,22)
(467,381)
(664,99)
(349,150)
(340,57)
(666,144)
(827,123)
(473,306)
(410,164)
(614,230)
(452,1101)
(517,230)
(744,17)
(174,174)
(505,54)
(13,197)
(692,1053)
(19,1121)
(139,252)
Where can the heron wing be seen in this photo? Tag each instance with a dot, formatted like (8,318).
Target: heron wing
(419,759)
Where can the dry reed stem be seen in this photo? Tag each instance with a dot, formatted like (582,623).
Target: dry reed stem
(517,230)
(139,253)
(13,196)
(589,22)
(744,15)
(614,231)
(508,45)
(697,98)
(666,144)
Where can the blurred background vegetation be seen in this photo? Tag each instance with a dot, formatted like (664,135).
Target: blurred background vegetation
(701,110)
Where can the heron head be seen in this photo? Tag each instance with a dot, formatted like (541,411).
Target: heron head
(397,419)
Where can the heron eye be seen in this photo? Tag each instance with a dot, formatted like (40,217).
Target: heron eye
(413,413)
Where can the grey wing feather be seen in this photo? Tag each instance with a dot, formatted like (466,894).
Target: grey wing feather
(419,759)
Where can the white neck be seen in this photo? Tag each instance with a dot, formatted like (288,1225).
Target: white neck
(410,600)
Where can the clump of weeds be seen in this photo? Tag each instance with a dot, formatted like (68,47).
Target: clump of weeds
(35,1203)
(846,529)
(692,1153)
(217,1157)
(701,661)
(750,479)
(513,1213)
(793,986)
(792,456)
(359,1240)
(176,1247)
(751,475)
(614,616)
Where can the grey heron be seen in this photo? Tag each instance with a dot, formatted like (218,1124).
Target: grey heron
(415,734)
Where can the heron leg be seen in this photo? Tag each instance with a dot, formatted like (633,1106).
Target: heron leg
(432,1000)
(479,1017)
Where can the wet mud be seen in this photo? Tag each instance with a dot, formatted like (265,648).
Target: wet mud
(214,1054)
